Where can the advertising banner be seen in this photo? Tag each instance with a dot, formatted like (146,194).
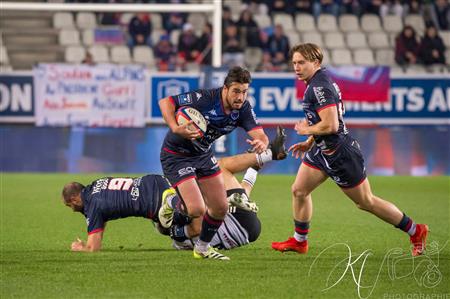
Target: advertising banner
(92,96)
(16,98)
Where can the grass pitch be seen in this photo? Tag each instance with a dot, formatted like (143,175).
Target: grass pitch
(137,262)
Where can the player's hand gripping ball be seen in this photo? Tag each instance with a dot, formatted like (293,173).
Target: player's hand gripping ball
(186,114)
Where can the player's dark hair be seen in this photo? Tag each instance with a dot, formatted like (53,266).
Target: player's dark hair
(237,74)
(311,52)
(71,189)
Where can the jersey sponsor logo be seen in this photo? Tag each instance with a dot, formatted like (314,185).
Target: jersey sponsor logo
(135,190)
(254,116)
(320,95)
(87,221)
(185,99)
(100,185)
(234,114)
(186,170)
(198,95)
(213,112)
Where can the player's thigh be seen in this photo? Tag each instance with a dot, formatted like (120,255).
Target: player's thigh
(192,197)
(308,178)
(360,194)
(213,189)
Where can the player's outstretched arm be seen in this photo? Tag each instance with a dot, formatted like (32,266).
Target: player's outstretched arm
(94,243)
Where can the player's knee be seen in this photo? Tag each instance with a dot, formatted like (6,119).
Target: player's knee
(299,193)
(220,210)
(196,211)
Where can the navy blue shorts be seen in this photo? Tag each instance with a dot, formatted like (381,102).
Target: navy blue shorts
(345,166)
(178,167)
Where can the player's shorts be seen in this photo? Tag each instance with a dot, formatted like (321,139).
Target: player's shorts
(178,167)
(152,188)
(345,166)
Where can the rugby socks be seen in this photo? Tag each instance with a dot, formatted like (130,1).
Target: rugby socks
(179,232)
(301,231)
(407,225)
(210,226)
(264,157)
(250,176)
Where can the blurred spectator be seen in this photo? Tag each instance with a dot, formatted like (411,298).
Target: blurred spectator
(187,46)
(432,48)
(325,6)
(406,46)
(88,59)
(204,46)
(233,53)
(227,19)
(173,21)
(440,14)
(303,6)
(350,7)
(266,64)
(392,7)
(110,18)
(413,7)
(165,54)
(280,6)
(248,30)
(140,29)
(278,45)
(371,6)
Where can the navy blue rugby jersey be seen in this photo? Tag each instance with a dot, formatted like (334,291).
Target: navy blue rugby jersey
(112,198)
(209,103)
(322,92)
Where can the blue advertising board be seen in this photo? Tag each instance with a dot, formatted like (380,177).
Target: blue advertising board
(16,97)
(163,85)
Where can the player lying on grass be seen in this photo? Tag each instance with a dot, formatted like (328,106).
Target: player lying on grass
(110,198)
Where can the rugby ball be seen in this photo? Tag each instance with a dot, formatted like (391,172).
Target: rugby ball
(186,114)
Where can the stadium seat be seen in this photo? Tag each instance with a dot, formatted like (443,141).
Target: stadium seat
(174,35)
(125,18)
(363,57)
(312,37)
(341,57)
(378,40)
(392,24)
(396,70)
(447,56)
(348,23)
(88,37)
(5,68)
(326,57)
(285,20)
(370,23)
(156,20)
(253,56)
(4,59)
(120,54)
(334,40)
(74,54)
(69,37)
(156,35)
(63,20)
(143,55)
(99,53)
(385,57)
(356,40)
(197,20)
(305,22)
(293,37)
(415,21)
(263,21)
(445,35)
(327,23)
(415,69)
(193,67)
(86,20)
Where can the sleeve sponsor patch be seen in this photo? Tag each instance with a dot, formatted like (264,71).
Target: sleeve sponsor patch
(185,99)
(319,94)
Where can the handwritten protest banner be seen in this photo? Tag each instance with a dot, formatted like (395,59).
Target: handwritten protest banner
(92,96)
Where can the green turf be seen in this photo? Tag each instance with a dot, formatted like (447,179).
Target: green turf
(136,262)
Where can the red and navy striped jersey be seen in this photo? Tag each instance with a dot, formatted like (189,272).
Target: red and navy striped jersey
(112,198)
